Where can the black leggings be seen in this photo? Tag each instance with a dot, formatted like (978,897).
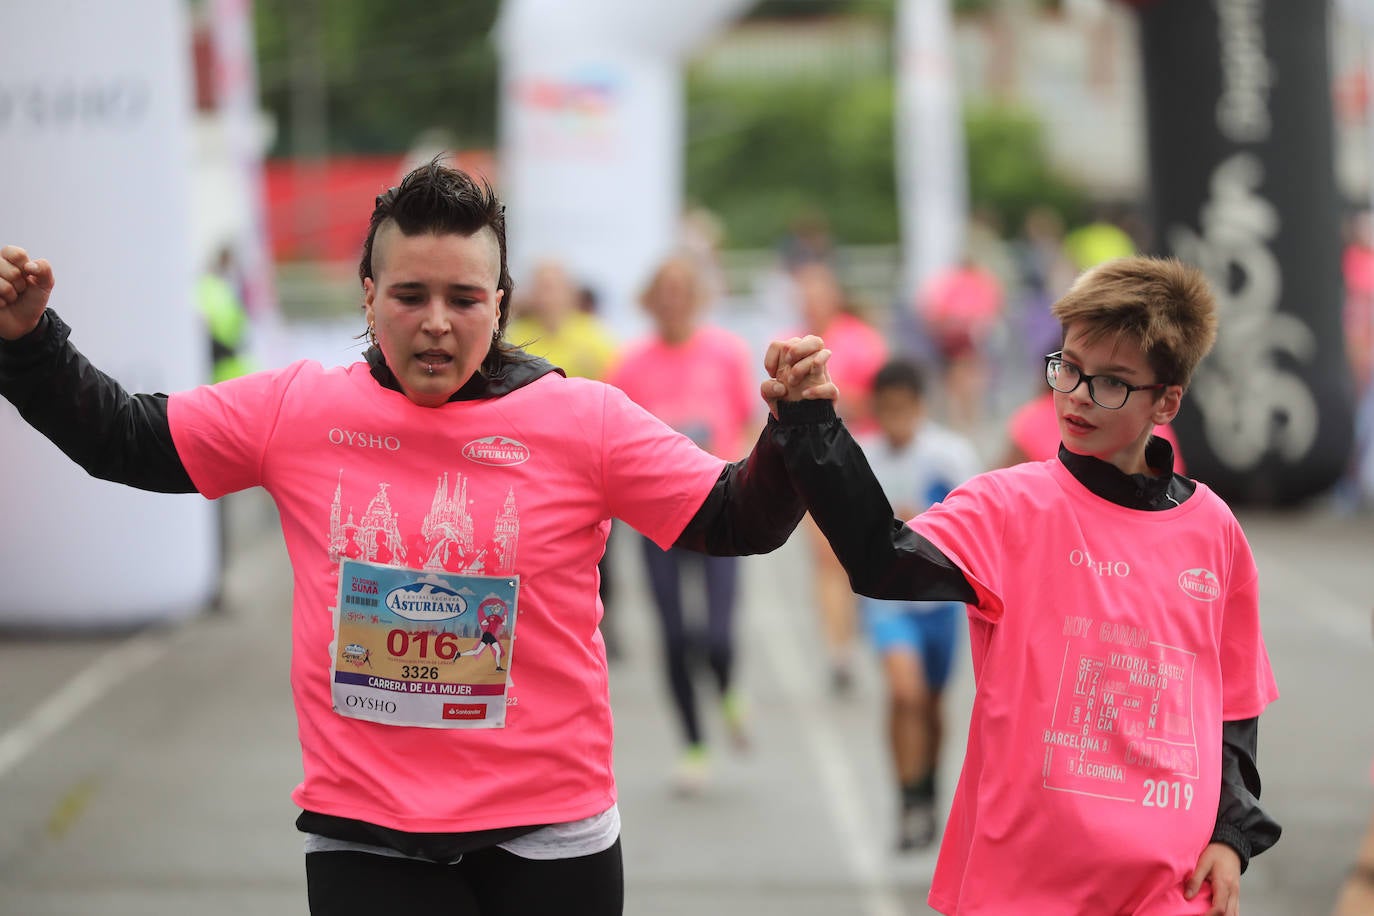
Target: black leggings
(720,576)
(488,882)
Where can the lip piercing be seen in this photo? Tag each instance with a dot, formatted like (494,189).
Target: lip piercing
(429,367)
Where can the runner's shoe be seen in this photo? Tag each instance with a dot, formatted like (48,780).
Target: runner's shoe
(692,772)
(736,719)
(916,825)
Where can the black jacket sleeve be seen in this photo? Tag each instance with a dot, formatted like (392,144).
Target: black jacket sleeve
(883,557)
(752,508)
(113,435)
(1241,823)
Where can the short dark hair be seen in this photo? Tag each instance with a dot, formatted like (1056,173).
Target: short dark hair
(441,200)
(902,374)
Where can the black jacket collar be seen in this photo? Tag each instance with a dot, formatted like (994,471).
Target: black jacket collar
(517,371)
(1134,491)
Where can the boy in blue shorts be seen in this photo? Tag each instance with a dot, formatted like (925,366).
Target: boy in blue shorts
(918,463)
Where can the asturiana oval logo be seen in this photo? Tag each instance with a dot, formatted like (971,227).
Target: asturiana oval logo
(1201,584)
(425,602)
(497,451)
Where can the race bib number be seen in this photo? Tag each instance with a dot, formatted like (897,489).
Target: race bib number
(412,647)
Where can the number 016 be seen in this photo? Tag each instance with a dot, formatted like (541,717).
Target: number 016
(399,643)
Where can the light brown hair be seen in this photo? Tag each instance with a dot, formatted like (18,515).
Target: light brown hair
(1161,304)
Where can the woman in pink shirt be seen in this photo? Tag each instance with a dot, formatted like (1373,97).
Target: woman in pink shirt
(859,352)
(696,378)
(961,306)
(446,474)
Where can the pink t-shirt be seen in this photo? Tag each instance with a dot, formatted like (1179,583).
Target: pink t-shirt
(1034,430)
(1108,646)
(522,485)
(1357,265)
(966,296)
(704,387)
(857,352)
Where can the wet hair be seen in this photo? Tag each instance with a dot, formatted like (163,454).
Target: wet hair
(900,374)
(439,200)
(1162,304)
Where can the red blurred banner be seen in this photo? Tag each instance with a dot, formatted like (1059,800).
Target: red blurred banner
(318,211)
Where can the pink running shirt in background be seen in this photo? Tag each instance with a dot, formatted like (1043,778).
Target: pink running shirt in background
(857,352)
(705,388)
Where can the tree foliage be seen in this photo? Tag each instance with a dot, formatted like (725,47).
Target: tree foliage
(1009,172)
(762,154)
(389,70)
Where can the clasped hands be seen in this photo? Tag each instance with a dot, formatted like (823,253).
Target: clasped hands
(797,371)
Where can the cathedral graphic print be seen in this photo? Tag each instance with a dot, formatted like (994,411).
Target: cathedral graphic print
(447,538)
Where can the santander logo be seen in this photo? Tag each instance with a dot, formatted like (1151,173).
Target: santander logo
(496,451)
(1201,584)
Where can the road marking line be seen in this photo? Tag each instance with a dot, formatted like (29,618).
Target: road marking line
(838,775)
(77,695)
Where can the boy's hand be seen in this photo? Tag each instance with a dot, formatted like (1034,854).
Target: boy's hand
(24,287)
(1220,865)
(796,369)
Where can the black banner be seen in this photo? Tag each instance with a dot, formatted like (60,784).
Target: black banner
(1238,98)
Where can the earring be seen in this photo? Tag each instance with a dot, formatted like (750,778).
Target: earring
(372,333)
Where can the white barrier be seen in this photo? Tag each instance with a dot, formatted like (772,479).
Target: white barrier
(95,112)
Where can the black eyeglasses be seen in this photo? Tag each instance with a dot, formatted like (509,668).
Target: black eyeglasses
(1107,391)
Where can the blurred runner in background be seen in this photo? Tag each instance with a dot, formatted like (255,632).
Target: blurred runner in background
(917,462)
(556,319)
(699,380)
(859,351)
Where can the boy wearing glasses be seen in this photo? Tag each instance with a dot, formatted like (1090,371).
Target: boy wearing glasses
(1113,619)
